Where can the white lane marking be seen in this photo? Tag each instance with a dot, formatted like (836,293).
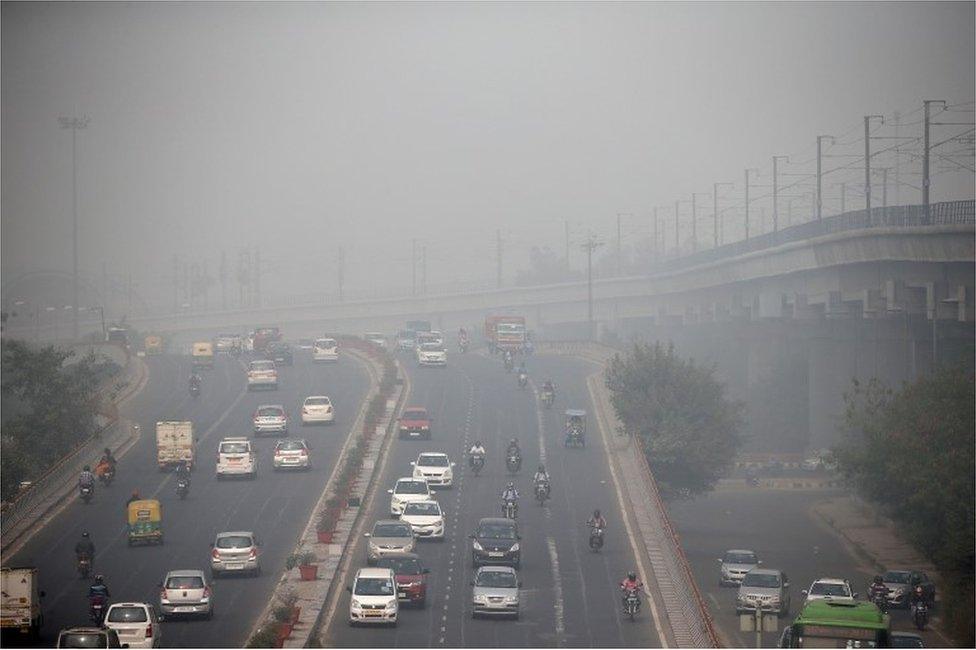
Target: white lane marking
(623,509)
(557,582)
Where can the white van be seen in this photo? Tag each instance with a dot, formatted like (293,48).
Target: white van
(374,597)
(325,350)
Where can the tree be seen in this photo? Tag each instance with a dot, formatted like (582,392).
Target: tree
(689,428)
(912,452)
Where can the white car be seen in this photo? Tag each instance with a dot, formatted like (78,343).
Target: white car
(377,338)
(431,354)
(406,490)
(270,418)
(325,350)
(186,592)
(137,624)
(291,453)
(235,456)
(833,589)
(426,519)
(317,408)
(262,374)
(435,468)
(235,552)
(374,597)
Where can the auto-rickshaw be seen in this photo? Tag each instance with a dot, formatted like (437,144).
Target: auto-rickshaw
(145,522)
(575,428)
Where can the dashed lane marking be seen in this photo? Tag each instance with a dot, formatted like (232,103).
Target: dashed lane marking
(557,589)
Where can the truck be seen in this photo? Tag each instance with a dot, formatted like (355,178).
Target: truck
(20,607)
(504,333)
(174,442)
(203,355)
(153,344)
(263,336)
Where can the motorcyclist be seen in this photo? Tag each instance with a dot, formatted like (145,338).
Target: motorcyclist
(86,479)
(513,448)
(541,476)
(631,583)
(103,467)
(549,386)
(510,493)
(597,521)
(99,589)
(183,472)
(877,588)
(108,458)
(135,497)
(477,451)
(195,381)
(85,546)
(508,359)
(917,598)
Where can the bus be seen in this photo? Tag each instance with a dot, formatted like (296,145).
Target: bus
(838,624)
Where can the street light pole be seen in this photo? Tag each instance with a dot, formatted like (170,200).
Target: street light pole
(694,219)
(715,187)
(925,154)
(867,162)
(748,169)
(589,246)
(776,160)
(820,139)
(74,123)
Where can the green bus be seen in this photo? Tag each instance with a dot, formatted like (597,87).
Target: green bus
(838,624)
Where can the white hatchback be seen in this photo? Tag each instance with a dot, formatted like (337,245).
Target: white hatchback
(325,350)
(317,408)
(235,456)
(405,491)
(426,519)
(435,468)
(136,624)
(374,597)
(291,453)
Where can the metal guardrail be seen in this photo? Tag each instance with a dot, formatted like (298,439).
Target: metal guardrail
(938,214)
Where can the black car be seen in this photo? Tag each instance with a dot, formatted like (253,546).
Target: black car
(280,353)
(496,541)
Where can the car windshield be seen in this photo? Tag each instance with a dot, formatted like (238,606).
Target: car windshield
(184,582)
(740,558)
(766,580)
(325,343)
(373,336)
(120,614)
(401,565)
(411,487)
(495,579)
(233,447)
(373,587)
(290,445)
(901,577)
(392,530)
(829,589)
(405,334)
(433,460)
(270,411)
(431,347)
(237,541)
(496,531)
(262,365)
(413,414)
(83,640)
(317,401)
(429,509)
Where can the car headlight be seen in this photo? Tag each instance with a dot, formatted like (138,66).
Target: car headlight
(515,548)
(355,604)
(479,599)
(448,473)
(476,546)
(392,604)
(511,599)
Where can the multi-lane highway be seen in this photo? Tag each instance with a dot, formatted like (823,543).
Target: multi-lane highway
(569,595)
(276,505)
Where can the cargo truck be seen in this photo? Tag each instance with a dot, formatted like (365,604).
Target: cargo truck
(505,333)
(20,606)
(174,442)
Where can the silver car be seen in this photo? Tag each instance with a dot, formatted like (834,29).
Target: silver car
(735,564)
(495,591)
(387,537)
(767,589)
(235,552)
(186,592)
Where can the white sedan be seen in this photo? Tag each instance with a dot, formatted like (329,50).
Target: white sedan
(316,409)
(426,519)
(435,468)
(408,490)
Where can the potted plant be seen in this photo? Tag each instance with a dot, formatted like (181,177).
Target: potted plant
(282,615)
(305,561)
(325,527)
(265,637)
(289,599)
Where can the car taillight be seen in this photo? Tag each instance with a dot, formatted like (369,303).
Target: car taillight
(215,554)
(302,452)
(162,594)
(149,631)
(207,592)
(328,409)
(304,411)
(254,554)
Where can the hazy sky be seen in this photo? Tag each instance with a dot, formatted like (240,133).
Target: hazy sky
(300,127)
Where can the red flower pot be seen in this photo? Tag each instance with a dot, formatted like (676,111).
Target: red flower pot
(295,613)
(325,536)
(309,571)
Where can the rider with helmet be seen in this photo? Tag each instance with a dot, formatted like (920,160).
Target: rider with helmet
(510,493)
(631,584)
(597,520)
(877,588)
(99,588)
(85,546)
(135,497)
(86,479)
(542,477)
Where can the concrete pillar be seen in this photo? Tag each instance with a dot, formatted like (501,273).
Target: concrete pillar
(832,365)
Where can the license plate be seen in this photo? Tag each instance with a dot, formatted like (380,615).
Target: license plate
(401,594)
(235,565)
(414,433)
(234,461)
(495,554)
(185,609)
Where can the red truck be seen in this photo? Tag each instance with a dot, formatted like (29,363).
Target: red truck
(415,423)
(505,332)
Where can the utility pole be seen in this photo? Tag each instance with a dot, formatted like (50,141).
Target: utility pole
(74,123)
(715,234)
(341,271)
(590,245)
(747,197)
(413,266)
(498,252)
(223,279)
(925,155)
(776,160)
(867,162)
(819,199)
(694,219)
(897,116)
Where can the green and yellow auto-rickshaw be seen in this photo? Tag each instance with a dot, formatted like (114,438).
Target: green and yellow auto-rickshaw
(145,522)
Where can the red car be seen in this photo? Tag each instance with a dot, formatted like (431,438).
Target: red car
(411,577)
(415,423)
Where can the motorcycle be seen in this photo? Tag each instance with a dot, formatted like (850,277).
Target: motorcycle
(509,363)
(596,538)
(463,346)
(920,615)
(523,380)
(510,509)
(182,488)
(881,601)
(548,397)
(107,476)
(86,492)
(631,603)
(194,390)
(96,610)
(513,463)
(477,464)
(541,492)
(84,566)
